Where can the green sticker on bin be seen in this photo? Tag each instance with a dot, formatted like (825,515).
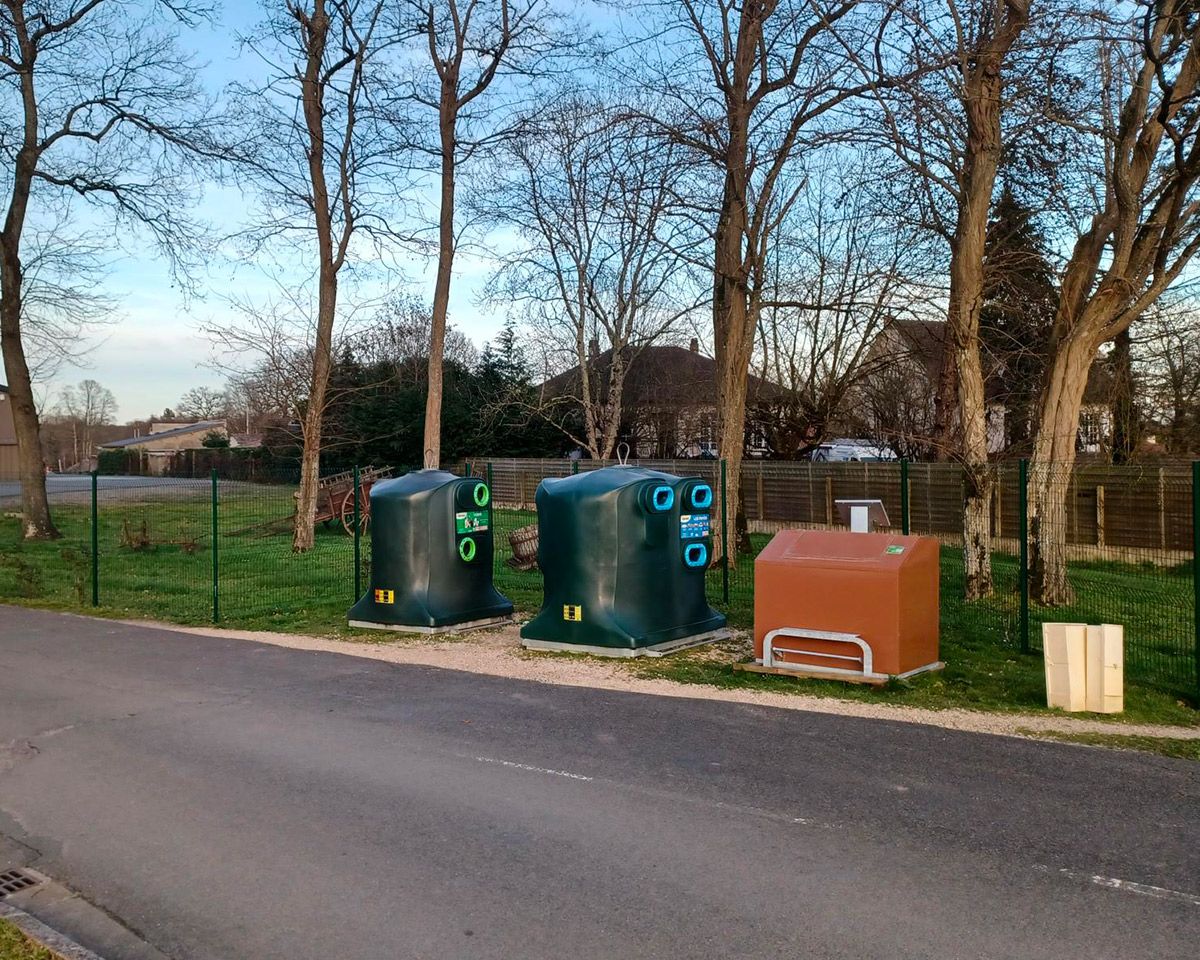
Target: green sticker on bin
(894,549)
(470,521)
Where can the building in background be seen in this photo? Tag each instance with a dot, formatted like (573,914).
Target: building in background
(167,438)
(669,402)
(8,438)
(897,392)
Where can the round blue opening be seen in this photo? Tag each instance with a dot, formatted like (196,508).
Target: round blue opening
(663,498)
(702,496)
(695,555)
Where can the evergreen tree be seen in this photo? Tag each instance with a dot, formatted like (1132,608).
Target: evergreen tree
(1020,299)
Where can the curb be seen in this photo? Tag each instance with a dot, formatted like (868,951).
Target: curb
(49,938)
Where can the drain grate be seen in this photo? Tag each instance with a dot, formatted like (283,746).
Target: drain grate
(12,881)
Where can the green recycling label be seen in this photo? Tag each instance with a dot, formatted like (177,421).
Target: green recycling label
(894,549)
(470,521)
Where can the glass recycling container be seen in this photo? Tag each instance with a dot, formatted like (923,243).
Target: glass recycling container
(624,551)
(431,556)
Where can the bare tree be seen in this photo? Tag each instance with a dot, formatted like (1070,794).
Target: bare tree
(947,129)
(1142,231)
(601,257)
(267,347)
(469,44)
(99,105)
(328,169)
(202,403)
(63,299)
(86,406)
(749,87)
(839,275)
(1167,353)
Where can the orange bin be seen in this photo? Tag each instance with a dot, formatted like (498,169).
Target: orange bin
(844,604)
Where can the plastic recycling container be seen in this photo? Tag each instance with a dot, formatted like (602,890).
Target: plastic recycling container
(623,551)
(431,556)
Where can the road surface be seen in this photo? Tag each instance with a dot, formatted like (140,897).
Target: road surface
(76,486)
(234,800)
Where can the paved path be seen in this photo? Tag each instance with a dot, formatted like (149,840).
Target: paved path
(78,487)
(236,800)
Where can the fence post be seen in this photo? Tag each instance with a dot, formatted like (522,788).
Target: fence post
(216,588)
(95,543)
(904,519)
(1196,563)
(724,534)
(491,508)
(357,538)
(1023,533)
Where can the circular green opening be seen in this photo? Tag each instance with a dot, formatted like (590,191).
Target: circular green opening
(482,495)
(466,549)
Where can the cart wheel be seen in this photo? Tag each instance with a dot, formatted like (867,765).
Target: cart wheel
(364,515)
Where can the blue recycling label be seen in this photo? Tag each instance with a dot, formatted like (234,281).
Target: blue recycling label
(693,526)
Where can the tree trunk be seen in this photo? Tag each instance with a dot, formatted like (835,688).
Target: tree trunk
(310,460)
(966,300)
(432,451)
(734,316)
(329,263)
(982,98)
(1052,463)
(945,402)
(35,507)
(1125,428)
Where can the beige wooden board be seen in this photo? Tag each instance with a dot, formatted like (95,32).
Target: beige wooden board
(1064,646)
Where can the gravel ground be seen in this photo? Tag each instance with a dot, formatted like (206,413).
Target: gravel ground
(499,653)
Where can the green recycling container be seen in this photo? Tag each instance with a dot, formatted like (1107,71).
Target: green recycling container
(623,551)
(431,555)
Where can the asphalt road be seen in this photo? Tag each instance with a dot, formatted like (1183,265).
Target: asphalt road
(75,486)
(232,800)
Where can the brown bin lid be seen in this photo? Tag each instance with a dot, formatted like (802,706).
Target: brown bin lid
(839,548)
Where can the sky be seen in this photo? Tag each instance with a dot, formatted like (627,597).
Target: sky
(153,349)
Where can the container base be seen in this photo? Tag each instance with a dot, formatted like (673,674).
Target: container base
(435,631)
(809,672)
(656,650)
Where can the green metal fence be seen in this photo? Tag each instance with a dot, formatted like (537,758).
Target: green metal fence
(1129,532)
(207,548)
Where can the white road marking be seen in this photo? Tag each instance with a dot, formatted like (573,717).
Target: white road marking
(531,769)
(1128,886)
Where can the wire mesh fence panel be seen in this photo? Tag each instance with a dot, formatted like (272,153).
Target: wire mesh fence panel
(54,572)
(1113,545)
(1108,544)
(155,543)
(262,579)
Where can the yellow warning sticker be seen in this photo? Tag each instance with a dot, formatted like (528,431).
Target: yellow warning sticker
(385,596)
(572,612)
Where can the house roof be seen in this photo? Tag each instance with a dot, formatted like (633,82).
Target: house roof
(204,426)
(661,375)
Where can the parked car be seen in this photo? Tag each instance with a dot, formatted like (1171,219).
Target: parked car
(844,451)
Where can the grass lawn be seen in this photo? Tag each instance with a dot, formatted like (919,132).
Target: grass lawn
(263,585)
(14,945)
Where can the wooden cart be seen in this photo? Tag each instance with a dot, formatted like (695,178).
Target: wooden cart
(335,496)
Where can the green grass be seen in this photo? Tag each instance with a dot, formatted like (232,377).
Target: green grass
(1163,746)
(14,945)
(263,585)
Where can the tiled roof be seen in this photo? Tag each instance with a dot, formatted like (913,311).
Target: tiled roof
(661,375)
(204,426)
